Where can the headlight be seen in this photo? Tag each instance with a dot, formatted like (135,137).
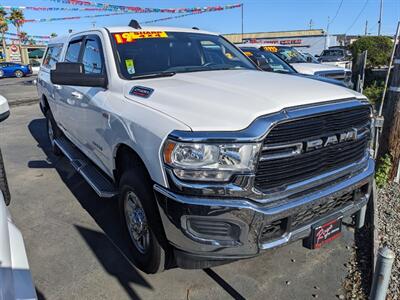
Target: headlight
(210,162)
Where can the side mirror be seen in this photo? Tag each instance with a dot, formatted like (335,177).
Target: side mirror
(4,109)
(316,55)
(74,74)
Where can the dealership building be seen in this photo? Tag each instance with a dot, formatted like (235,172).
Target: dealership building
(312,41)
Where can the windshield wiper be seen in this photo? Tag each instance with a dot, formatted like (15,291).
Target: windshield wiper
(154,75)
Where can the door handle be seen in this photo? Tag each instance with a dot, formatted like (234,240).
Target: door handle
(57,87)
(77,95)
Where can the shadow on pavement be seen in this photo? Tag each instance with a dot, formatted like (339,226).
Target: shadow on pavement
(222,283)
(112,260)
(110,248)
(40,295)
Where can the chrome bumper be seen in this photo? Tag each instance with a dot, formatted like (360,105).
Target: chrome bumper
(249,217)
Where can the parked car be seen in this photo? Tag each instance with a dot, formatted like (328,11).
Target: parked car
(15,277)
(10,69)
(35,66)
(304,66)
(309,57)
(270,62)
(336,56)
(212,159)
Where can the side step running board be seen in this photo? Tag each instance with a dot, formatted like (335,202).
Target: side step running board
(100,183)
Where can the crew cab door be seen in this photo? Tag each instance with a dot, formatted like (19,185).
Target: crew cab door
(92,103)
(44,85)
(68,100)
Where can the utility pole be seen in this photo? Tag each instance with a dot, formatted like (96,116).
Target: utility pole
(242,21)
(310,24)
(366,27)
(380,18)
(327,34)
(390,140)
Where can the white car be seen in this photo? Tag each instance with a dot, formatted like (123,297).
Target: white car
(212,159)
(305,65)
(15,276)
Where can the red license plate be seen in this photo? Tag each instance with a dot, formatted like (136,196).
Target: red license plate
(325,233)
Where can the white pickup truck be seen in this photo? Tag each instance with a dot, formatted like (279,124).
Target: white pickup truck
(212,159)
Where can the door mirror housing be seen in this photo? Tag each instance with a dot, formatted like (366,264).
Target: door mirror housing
(74,74)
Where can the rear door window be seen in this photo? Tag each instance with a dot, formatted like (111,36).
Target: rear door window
(52,56)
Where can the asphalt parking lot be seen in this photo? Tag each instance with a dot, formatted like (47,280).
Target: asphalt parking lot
(19,90)
(75,251)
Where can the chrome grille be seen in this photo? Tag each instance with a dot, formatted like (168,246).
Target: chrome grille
(278,169)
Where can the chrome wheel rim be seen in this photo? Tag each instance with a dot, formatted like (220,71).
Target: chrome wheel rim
(50,132)
(1,73)
(136,222)
(18,74)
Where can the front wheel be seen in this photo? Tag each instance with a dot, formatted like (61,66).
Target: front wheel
(19,74)
(53,132)
(140,219)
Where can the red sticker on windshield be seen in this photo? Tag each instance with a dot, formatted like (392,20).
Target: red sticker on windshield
(131,37)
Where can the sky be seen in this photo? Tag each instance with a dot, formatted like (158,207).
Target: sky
(259,15)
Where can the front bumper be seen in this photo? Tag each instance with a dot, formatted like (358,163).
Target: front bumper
(233,228)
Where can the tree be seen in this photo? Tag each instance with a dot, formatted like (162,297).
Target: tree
(3,29)
(53,35)
(379,50)
(23,37)
(31,41)
(17,19)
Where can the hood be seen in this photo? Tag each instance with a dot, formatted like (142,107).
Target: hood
(323,79)
(311,68)
(231,100)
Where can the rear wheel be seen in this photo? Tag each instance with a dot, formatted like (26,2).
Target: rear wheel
(53,132)
(140,220)
(19,74)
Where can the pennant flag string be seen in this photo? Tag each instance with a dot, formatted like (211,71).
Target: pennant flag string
(38,8)
(136,9)
(31,36)
(205,10)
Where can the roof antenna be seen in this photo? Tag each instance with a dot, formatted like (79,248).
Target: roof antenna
(134,24)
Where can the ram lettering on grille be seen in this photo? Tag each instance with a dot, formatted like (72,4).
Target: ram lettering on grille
(296,150)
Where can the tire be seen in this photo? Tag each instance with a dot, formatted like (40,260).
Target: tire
(19,74)
(1,73)
(53,132)
(3,182)
(138,208)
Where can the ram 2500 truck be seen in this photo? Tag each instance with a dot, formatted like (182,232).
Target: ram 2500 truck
(212,159)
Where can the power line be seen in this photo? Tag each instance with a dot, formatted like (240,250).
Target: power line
(358,16)
(337,12)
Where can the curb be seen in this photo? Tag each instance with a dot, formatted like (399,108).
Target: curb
(20,102)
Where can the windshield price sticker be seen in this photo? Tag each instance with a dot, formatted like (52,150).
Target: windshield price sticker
(131,37)
(271,49)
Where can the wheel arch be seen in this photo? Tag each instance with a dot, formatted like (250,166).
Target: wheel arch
(126,157)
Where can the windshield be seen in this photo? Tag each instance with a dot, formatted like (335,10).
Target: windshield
(288,54)
(272,62)
(336,52)
(148,53)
